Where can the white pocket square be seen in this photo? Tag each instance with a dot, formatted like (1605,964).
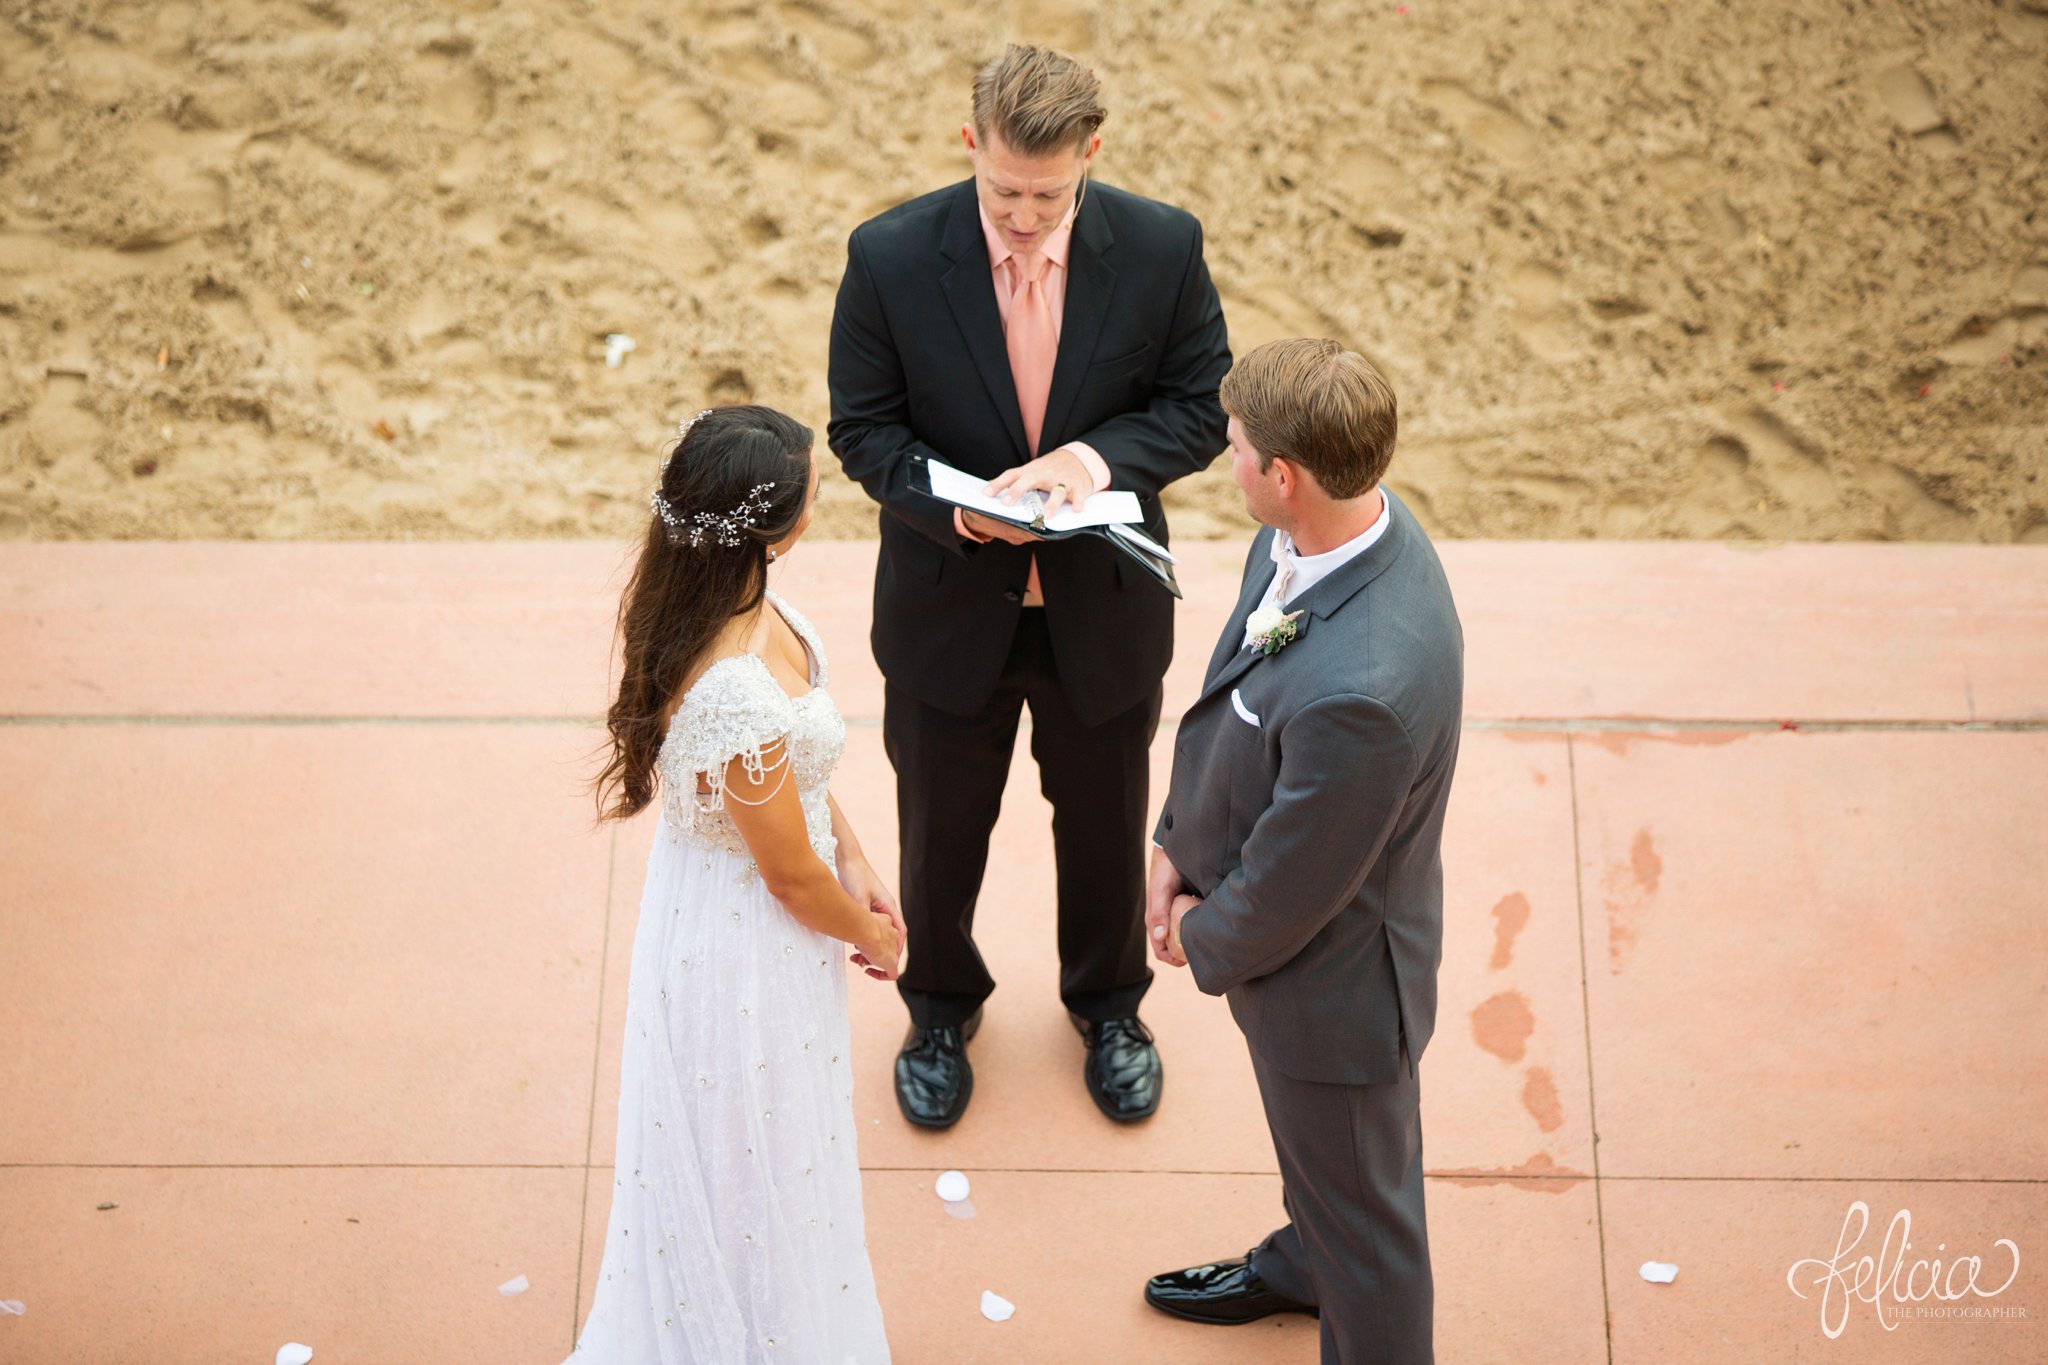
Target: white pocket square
(1243,711)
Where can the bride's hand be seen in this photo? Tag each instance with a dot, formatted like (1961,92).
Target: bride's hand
(881,956)
(856,876)
(883,903)
(865,887)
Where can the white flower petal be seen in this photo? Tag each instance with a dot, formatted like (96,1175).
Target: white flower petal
(1659,1272)
(951,1186)
(516,1285)
(995,1307)
(292,1353)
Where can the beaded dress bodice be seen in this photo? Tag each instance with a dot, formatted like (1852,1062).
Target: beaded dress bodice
(738,710)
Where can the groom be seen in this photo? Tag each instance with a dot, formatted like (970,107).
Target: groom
(1298,870)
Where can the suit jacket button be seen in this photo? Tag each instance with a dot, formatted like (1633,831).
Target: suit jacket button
(1013,595)
(1169,819)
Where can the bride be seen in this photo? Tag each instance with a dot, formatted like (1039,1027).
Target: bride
(736,1232)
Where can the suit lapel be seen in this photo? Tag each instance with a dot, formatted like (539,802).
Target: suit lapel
(1256,581)
(1090,284)
(969,286)
(1239,663)
(1316,604)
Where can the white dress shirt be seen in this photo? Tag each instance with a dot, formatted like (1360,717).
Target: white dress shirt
(1309,570)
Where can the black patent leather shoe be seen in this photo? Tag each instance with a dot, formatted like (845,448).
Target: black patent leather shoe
(1225,1294)
(1122,1072)
(933,1079)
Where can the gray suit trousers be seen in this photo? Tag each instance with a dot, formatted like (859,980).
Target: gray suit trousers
(1356,1246)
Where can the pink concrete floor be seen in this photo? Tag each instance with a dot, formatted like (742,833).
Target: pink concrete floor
(311,963)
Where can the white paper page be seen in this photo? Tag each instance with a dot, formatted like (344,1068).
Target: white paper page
(1144,542)
(1116,507)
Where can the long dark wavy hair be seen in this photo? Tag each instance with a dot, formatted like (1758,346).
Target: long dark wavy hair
(681,596)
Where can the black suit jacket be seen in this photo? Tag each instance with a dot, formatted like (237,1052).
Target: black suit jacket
(919,369)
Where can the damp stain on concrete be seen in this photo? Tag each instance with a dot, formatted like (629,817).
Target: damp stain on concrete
(1630,888)
(1540,1174)
(1510,917)
(1502,1024)
(1539,1097)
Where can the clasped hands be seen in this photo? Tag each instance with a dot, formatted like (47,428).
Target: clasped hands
(1167,902)
(884,958)
(1060,475)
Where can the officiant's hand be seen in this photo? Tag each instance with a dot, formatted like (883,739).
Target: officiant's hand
(995,528)
(1060,475)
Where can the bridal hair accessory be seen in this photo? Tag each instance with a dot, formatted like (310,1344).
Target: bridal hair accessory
(683,427)
(727,528)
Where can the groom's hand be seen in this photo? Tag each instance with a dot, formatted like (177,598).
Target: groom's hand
(1161,887)
(1175,955)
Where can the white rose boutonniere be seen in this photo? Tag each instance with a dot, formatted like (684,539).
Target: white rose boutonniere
(1271,630)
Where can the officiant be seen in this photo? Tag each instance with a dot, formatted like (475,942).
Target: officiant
(1047,332)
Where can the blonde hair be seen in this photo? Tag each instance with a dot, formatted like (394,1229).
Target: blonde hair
(1317,405)
(1037,101)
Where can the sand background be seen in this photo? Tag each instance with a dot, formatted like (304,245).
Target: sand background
(1744,270)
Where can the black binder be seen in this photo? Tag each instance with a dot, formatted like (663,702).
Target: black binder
(1029,513)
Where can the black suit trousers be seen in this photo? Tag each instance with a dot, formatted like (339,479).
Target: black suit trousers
(950,775)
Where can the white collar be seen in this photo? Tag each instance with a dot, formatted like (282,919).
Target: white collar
(1311,568)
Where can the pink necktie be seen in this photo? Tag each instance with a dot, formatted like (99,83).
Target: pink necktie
(1034,346)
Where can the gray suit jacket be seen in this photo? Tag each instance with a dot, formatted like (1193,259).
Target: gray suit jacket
(1314,836)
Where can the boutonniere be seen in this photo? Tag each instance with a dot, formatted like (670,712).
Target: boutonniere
(1271,631)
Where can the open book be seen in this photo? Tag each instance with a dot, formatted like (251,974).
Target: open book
(1112,515)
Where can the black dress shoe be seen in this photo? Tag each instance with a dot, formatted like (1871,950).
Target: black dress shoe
(1122,1071)
(933,1079)
(1225,1294)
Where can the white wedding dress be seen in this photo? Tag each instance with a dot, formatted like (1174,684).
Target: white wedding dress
(736,1232)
